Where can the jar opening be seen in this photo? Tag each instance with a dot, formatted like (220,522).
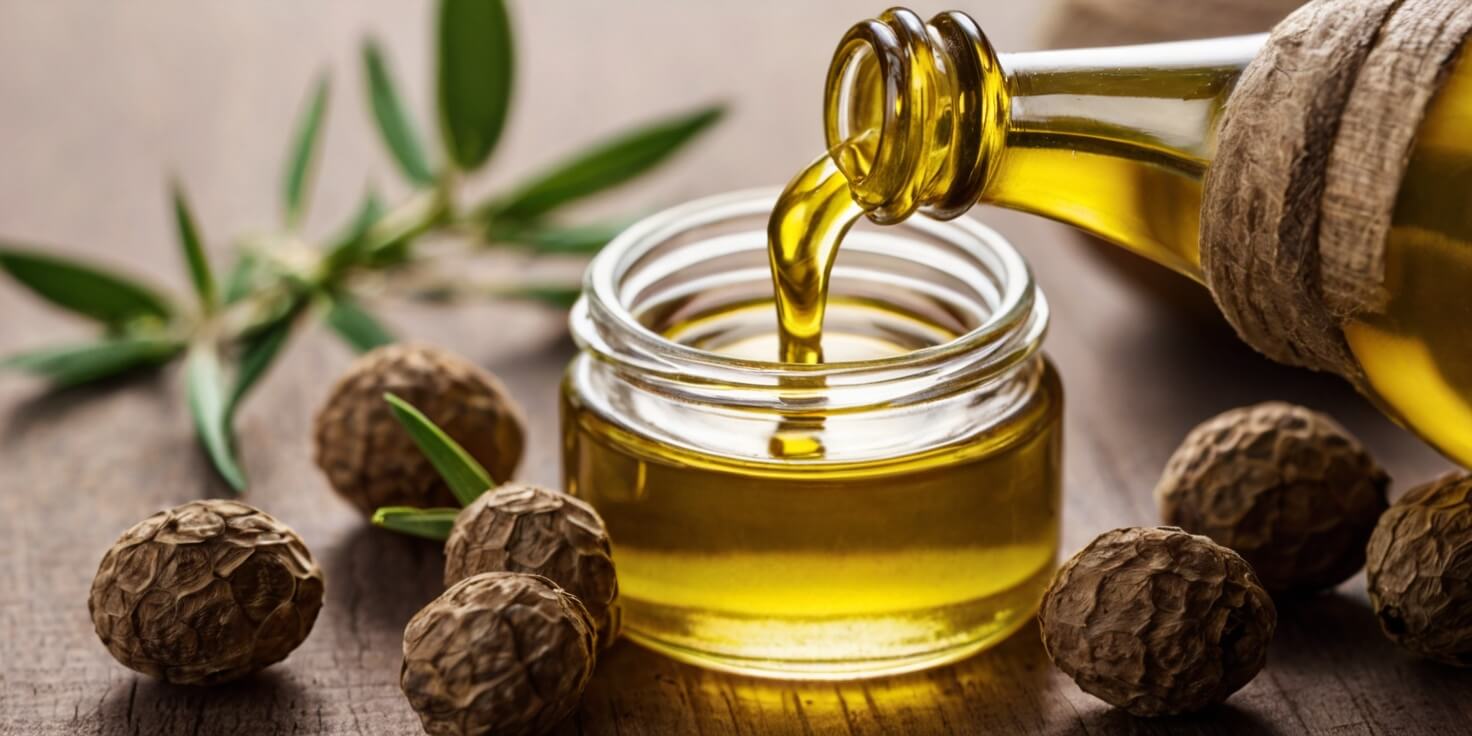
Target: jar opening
(956,291)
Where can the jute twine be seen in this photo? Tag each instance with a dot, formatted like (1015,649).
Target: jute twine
(1311,154)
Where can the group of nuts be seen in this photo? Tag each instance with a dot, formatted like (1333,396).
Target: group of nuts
(1272,499)
(1267,500)
(211,591)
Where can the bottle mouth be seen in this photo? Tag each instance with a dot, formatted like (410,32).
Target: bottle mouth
(915,113)
(713,251)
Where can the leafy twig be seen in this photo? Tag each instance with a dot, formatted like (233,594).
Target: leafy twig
(278,278)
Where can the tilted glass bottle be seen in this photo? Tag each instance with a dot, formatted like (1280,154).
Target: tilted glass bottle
(1117,141)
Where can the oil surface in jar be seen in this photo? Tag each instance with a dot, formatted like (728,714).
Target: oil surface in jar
(823,566)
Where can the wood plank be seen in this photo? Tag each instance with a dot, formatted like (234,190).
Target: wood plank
(100,100)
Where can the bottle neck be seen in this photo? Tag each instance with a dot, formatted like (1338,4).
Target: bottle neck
(1116,141)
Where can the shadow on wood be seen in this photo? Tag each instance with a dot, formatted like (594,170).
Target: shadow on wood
(268,699)
(48,406)
(383,578)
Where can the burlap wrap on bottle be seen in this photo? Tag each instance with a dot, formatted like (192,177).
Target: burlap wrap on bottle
(1312,150)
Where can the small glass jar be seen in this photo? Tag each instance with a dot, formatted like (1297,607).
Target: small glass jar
(892,510)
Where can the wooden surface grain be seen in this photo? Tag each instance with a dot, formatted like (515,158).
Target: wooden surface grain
(100,102)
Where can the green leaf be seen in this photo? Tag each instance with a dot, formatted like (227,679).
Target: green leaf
(466,478)
(561,297)
(88,291)
(73,365)
(241,278)
(476,66)
(347,249)
(199,264)
(210,405)
(603,166)
(554,240)
(426,523)
(257,352)
(397,129)
(356,326)
(303,148)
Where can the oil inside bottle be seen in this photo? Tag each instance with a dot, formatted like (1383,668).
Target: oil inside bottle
(1118,141)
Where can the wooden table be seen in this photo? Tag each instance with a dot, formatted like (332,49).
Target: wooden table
(99,101)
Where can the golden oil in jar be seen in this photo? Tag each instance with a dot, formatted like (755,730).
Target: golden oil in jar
(890,508)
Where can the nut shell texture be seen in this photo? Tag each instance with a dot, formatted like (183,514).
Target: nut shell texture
(1157,621)
(498,653)
(1285,487)
(372,461)
(523,528)
(205,593)
(1420,570)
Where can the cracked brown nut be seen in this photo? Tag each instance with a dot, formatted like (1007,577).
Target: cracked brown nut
(372,461)
(1420,570)
(1285,487)
(205,593)
(524,528)
(1157,621)
(498,653)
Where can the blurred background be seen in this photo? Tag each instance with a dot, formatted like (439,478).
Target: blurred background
(100,101)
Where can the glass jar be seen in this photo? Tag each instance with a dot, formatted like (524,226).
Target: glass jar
(894,509)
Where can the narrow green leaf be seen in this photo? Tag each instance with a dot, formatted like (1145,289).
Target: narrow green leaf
(256,355)
(73,365)
(561,297)
(476,69)
(303,149)
(356,326)
(466,478)
(109,298)
(189,240)
(554,240)
(209,404)
(426,523)
(241,277)
(348,248)
(393,122)
(603,166)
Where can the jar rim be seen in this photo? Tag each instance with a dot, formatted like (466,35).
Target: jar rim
(1011,331)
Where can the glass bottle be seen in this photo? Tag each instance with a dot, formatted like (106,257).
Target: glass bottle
(1117,141)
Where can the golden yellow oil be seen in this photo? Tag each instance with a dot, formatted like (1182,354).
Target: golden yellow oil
(808,223)
(1118,143)
(801,565)
(1417,353)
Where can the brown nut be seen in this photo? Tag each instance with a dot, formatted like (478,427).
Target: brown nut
(372,461)
(1420,570)
(205,593)
(1285,487)
(1157,621)
(524,528)
(498,653)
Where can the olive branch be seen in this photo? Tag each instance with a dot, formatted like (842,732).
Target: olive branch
(238,323)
